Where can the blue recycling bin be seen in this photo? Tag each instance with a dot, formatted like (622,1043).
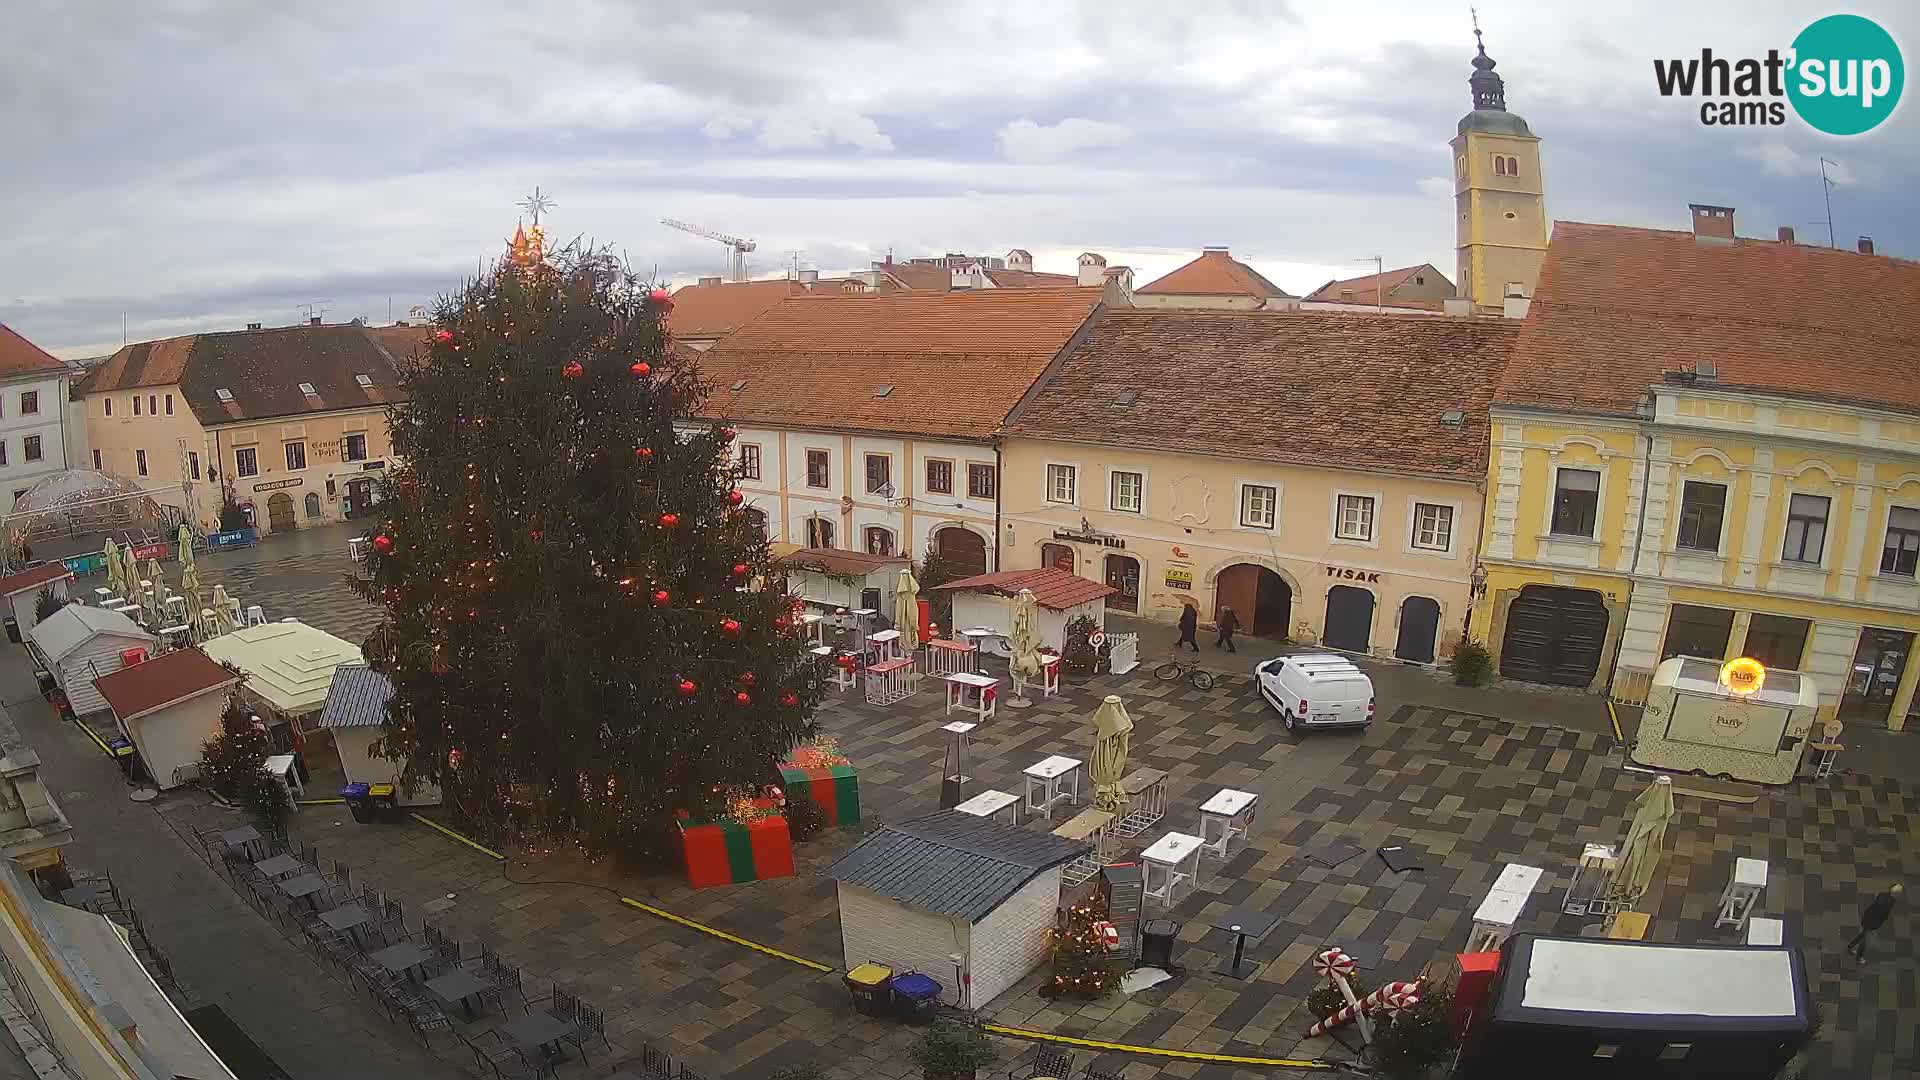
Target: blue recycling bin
(914,997)
(357,802)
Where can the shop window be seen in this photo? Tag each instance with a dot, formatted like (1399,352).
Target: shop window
(1576,502)
(1703,509)
(1697,631)
(1901,554)
(1806,529)
(1777,641)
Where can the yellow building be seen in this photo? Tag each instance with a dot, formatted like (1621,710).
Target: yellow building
(290,421)
(1710,446)
(1500,201)
(1317,472)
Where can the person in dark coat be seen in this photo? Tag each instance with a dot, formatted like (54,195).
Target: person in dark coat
(1872,918)
(1189,626)
(1228,622)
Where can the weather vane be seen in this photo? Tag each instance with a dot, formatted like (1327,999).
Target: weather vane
(1471,12)
(536,204)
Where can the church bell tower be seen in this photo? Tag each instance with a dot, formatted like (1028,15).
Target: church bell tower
(1499,194)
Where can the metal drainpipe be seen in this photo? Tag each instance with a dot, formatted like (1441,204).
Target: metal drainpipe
(999,482)
(1633,568)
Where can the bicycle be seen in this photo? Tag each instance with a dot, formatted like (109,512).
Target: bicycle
(1174,670)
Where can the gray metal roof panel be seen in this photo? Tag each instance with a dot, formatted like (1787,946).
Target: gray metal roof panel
(951,863)
(357,697)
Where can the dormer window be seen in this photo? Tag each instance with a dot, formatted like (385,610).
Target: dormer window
(365,381)
(307,389)
(225,395)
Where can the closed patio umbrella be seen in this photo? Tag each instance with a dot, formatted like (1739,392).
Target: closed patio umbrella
(1646,841)
(1024,638)
(906,612)
(190,588)
(223,618)
(1112,738)
(116,574)
(185,544)
(130,573)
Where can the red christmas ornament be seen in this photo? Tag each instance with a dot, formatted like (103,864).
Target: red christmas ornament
(730,627)
(383,543)
(661,598)
(726,434)
(661,298)
(743,698)
(790,699)
(669,521)
(573,370)
(747,680)
(453,758)
(644,453)
(741,569)
(780,622)
(845,662)
(641,369)
(734,498)
(687,688)
(443,336)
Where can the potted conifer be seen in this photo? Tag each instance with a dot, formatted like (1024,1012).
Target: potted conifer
(952,1052)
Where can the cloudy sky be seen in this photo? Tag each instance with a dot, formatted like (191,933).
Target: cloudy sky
(198,164)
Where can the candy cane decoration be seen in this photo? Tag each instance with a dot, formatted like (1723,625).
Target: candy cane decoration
(1403,990)
(1333,962)
(1338,967)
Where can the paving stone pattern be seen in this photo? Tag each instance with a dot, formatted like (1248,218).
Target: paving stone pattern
(1473,791)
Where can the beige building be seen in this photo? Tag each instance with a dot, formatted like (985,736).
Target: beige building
(290,422)
(1215,281)
(1318,472)
(1500,201)
(1421,287)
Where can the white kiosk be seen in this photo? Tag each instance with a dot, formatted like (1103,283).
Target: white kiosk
(1736,720)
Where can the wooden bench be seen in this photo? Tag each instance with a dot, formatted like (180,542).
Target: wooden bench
(1091,825)
(1146,791)
(1629,926)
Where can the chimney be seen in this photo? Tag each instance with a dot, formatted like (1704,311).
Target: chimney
(253,326)
(809,277)
(1457,306)
(1786,234)
(313,320)
(1093,268)
(1712,224)
(715,280)
(1516,302)
(1223,252)
(1866,245)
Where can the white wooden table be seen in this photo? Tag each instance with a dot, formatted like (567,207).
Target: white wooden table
(890,680)
(815,625)
(1494,919)
(1232,813)
(102,596)
(973,693)
(1766,930)
(1174,860)
(1047,774)
(948,657)
(990,802)
(885,644)
(1742,893)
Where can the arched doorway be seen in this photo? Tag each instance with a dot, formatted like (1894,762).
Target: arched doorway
(1123,574)
(962,547)
(1349,619)
(1554,635)
(313,506)
(1260,598)
(1419,623)
(280,512)
(1060,557)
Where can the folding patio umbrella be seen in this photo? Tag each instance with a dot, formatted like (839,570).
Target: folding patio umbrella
(223,617)
(906,612)
(1025,642)
(130,573)
(1112,737)
(185,544)
(115,573)
(1646,839)
(190,588)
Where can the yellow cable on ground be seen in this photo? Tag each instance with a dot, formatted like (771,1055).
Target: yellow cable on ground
(319,802)
(443,830)
(724,936)
(95,736)
(1185,1055)
(1615,717)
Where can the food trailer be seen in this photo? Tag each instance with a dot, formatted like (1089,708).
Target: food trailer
(1576,1008)
(1736,720)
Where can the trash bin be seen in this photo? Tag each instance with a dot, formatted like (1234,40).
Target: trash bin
(914,996)
(382,806)
(356,797)
(1156,943)
(868,983)
(122,752)
(47,685)
(13,629)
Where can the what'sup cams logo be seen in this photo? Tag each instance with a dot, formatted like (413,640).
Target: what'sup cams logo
(1843,76)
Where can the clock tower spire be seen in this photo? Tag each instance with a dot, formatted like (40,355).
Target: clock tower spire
(1499,194)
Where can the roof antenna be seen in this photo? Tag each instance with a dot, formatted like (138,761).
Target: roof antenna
(1826,192)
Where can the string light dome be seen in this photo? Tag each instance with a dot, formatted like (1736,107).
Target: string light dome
(81,501)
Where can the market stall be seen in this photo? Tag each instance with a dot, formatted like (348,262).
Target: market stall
(833,579)
(289,668)
(915,894)
(22,592)
(356,713)
(168,707)
(79,644)
(1737,720)
(985,601)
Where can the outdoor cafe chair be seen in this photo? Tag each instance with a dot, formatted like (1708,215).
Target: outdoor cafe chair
(424,1016)
(393,922)
(339,879)
(564,1006)
(1044,1061)
(506,983)
(589,1024)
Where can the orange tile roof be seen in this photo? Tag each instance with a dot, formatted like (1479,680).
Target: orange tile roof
(927,278)
(1030,279)
(1363,289)
(1052,587)
(18,356)
(957,361)
(1615,307)
(261,369)
(838,561)
(401,342)
(1215,273)
(710,311)
(1334,389)
(159,682)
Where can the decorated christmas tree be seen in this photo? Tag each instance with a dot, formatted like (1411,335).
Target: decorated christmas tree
(1082,945)
(575,651)
(233,763)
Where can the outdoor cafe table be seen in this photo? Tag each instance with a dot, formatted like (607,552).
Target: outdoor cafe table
(305,887)
(1048,773)
(245,836)
(347,917)
(459,988)
(401,958)
(962,685)
(535,1032)
(1243,923)
(279,866)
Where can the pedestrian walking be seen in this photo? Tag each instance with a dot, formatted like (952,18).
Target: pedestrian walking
(1228,622)
(1189,626)
(1873,917)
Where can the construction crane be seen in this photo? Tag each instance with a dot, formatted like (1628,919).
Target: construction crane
(738,246)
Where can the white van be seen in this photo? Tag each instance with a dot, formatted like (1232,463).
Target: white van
(1317,690)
